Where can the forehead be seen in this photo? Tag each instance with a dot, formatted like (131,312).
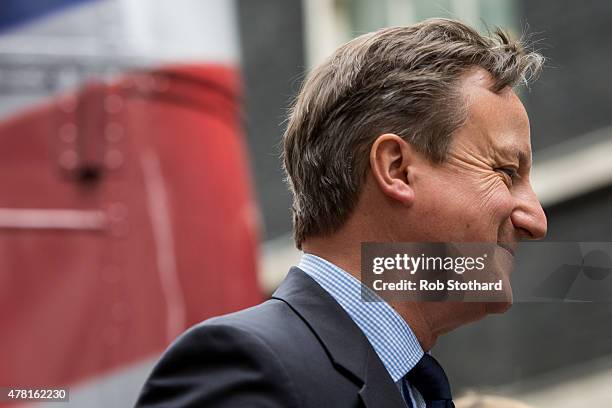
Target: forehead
(496,122)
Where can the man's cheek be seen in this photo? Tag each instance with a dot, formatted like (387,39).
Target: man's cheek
(498,204)
(493,196)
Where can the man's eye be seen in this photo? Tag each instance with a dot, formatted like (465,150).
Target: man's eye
(510,172)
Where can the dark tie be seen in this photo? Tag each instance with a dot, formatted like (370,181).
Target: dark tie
(429,379)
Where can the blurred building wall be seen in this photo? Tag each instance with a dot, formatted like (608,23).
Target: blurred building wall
(574,95)
(271,34)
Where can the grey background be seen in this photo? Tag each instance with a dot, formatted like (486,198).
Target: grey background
(273,67)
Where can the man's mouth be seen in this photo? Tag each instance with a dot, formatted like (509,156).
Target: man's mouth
(507,247)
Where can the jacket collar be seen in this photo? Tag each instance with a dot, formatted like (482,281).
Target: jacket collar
(346,345)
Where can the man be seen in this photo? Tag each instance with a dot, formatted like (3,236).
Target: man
(408,134)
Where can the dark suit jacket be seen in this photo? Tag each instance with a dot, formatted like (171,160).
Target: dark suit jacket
(298,349)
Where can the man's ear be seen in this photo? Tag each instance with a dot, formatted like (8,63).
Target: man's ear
(391,158)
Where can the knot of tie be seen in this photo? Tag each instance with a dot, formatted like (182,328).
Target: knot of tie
(429,378)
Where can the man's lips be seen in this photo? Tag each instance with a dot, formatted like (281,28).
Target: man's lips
(507,247)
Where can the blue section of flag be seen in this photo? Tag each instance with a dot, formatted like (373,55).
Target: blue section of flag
(16,12)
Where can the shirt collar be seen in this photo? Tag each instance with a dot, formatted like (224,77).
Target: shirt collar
(390,336)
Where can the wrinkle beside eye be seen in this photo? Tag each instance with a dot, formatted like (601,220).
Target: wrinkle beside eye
(509,174)
(491,182)
(471,163)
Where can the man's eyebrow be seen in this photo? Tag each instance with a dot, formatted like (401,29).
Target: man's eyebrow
(522,156)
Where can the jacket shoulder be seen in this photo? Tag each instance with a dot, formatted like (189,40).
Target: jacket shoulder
(222,362)
(273,321)
(300,352)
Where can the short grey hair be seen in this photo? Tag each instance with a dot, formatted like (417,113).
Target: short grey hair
(401,80)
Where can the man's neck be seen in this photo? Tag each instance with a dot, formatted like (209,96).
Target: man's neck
(348,257)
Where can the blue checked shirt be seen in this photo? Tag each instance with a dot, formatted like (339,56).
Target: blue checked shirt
(389,334)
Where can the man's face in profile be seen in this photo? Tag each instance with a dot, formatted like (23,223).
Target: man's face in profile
(482,193)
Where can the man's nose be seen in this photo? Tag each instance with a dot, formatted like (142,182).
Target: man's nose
(529,216)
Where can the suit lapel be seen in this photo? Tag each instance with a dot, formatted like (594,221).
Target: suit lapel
(347,347)
(378,386)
